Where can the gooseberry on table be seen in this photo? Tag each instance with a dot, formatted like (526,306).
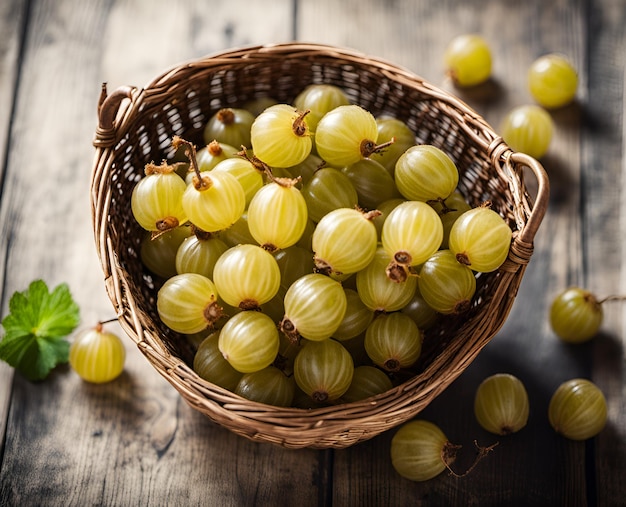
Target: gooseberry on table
(468,60)
(552,80)
(96,355)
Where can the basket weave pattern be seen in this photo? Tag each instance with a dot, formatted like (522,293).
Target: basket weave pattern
(136,126)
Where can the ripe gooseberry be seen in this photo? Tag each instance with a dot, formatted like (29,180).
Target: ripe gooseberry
(346,134)
(528,129)
(96,355)
(501,404)
(480,239)
(552,80)
(576,315)
(280,136)
(156,200)
(577,409)
(468,60)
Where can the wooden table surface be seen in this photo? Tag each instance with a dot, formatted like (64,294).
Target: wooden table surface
(135,441)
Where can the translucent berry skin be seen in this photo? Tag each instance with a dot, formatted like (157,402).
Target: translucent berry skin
(344,241)
(280,136)
(426,173)
(196,255)
(248,176)
(468,60)
(217,206)
(501,404)
(372,182)
(393,341)
(157,197)
(391,128)
(159,254)
(416,450)
(480,239)
(315,305)
(377,291)
(528,129)
(328,189)
(577,409)
(294,262)
(212,154)
(246,276)
(366,381)
(323,370)
(269,385)
(319,99)
(576,315)
(552,81)
(446,285)
(184,302)
(412,228)
(342,133)
(356,319)
(97,356)
(277,216)
(230,126)
(249,341)
(209,364)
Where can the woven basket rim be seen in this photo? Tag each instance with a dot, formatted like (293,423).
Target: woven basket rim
(114,112)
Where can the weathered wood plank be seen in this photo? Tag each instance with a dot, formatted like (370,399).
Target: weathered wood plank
(522,467)
(603,148)
(133,441)
(12,18)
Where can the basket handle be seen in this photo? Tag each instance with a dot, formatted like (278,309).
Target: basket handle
(108,109)
(540,205)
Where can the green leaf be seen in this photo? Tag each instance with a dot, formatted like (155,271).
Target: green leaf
(36,327)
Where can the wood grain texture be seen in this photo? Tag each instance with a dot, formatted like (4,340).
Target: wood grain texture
(12,19)
(604,232)
(135,441)
(525,346)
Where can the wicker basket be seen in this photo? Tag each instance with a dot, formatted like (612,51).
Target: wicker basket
(136,126)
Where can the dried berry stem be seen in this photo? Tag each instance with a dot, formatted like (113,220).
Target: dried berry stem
(190,152)
(449,453)
(614,297)
(369,147)
(299,127)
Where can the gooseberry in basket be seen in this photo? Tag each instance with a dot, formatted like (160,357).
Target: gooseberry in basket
(328,189)
(278,214)
(411,234)
(246,276)
(315,305)
(480,239)
(319,99)
(280,136)
(380,293)
(344,241)
(156,200)
(347,134)
(425,173)
(446,285)
(393,341)
(229,126)
(323,370)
